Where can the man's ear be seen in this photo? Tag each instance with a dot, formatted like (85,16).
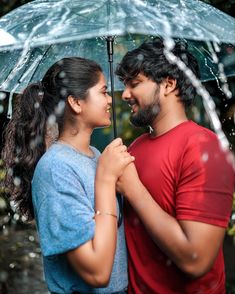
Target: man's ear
(74,104)
(170,85)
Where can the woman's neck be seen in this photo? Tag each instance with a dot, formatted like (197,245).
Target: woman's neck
(79,141)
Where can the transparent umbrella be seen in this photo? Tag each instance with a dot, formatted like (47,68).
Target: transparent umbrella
(39,33)
(35,35)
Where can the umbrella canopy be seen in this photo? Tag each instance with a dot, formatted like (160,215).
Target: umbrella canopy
(41,32)
(19,68)
(47,22)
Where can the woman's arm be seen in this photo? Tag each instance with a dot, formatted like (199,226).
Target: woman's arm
(93,260)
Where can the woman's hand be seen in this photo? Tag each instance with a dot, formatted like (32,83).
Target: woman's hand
(127,180)
(113,161)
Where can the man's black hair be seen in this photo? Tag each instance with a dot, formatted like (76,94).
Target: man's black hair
(150,60)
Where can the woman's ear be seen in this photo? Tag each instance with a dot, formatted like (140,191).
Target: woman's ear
(170,85)
(74,103)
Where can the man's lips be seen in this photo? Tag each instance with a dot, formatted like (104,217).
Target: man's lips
(131,102)
(133,105)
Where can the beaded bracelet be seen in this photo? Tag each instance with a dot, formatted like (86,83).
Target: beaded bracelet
(104,213)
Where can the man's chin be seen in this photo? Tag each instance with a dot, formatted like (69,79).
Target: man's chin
(136,122)
(141,121)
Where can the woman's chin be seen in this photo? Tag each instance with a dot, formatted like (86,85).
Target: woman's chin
(105,125)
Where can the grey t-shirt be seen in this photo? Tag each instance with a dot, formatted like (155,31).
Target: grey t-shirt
(63,200)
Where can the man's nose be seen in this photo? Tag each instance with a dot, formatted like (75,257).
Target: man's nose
(126,94)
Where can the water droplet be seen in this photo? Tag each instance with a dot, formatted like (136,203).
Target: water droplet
(2,95)
(60,107)
(12,265)
(16,159)
(31,238)
(17,181)
(36,105)
(35,142)
(51,119)
(32,255)
(16,217)
(62,74)
(205,157)
(23,218)
(63,91)
(140,57)
(3,204)
(22,36)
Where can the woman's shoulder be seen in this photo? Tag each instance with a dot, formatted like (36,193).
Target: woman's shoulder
(55,157)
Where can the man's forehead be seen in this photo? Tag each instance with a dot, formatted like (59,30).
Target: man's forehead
(139,77)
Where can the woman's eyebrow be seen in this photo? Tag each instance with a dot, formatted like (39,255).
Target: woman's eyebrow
(104,88)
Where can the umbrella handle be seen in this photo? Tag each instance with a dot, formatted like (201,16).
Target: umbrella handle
(109,41)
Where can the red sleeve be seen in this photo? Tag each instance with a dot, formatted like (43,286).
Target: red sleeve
(206,182)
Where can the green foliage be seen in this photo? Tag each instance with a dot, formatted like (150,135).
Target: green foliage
(231,228)
(2,176)
(226,6)
(7,5)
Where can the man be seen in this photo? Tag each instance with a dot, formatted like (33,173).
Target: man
(176,218)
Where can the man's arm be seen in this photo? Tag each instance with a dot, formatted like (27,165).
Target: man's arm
(192,246)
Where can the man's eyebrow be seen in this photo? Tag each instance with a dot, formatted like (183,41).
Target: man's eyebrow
(104,88)
(135,79)
(130,80)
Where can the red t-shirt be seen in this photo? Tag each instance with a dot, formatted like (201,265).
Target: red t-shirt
(191,178)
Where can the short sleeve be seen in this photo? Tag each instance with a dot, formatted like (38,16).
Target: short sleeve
(65,214)
(206,182)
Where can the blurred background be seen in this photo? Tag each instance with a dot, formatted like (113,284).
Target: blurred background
(20,258)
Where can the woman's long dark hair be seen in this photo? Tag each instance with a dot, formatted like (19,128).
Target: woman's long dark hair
(24,136)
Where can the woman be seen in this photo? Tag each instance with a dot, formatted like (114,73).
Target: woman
(77,231)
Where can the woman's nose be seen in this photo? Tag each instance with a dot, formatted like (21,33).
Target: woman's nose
(109,99)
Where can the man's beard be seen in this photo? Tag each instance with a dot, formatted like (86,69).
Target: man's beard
(145,116)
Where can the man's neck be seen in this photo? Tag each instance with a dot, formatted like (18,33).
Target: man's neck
(168,119)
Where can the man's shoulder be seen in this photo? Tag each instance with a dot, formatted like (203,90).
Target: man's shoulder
(192,127)
(192,133)
(202,134)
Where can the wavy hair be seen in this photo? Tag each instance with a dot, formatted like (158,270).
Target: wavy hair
(149,58)
(24,136)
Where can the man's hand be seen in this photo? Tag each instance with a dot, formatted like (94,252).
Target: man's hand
(127,180)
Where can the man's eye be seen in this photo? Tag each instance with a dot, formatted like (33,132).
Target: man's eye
(133,85)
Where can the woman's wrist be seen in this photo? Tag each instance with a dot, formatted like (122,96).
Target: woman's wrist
(105,178)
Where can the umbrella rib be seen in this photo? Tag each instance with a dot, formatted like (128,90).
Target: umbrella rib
(43,56)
